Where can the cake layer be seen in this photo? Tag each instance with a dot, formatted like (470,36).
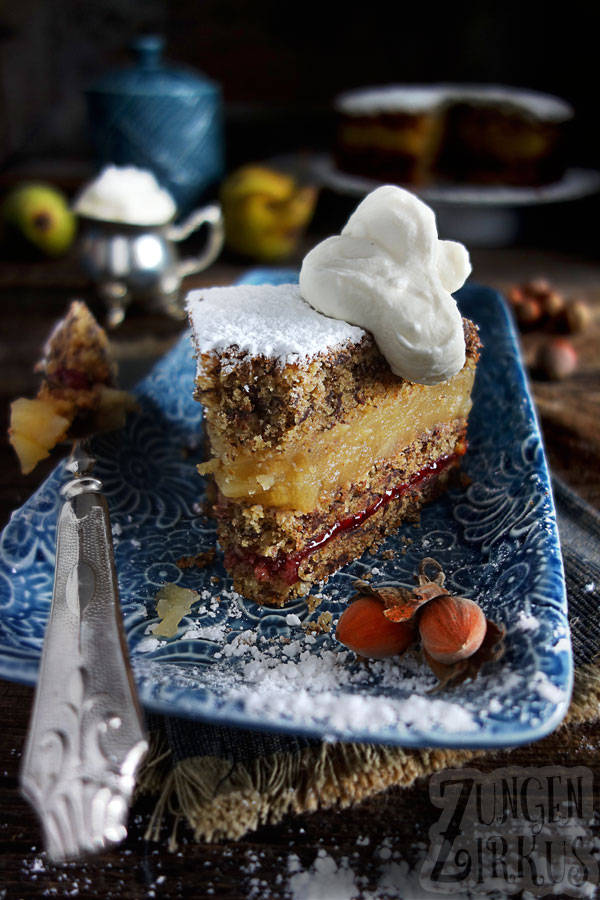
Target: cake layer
(253,403)
(278,545)
(270,394)
(308,473)
(276,580)
(268,365)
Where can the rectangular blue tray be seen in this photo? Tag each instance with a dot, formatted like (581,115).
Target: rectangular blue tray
(236,663)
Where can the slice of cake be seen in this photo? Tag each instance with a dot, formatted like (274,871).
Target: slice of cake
(78,394)
(319,446)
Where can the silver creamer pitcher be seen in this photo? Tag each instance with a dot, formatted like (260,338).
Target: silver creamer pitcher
(141,262)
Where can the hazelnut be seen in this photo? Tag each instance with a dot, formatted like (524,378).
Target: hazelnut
(515,295)
(528,312)
(364,628)
(538,288)
(556,358)
(452,628)
(553,304)
(578,315)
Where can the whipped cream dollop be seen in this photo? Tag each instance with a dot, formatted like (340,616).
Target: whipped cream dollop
(389,273)
(128,195)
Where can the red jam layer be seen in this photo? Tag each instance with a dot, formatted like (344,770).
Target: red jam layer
(285,566)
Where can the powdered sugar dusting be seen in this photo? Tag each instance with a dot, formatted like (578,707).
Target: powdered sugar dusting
(545,688)
(264,320)
(294,675)
(526,621)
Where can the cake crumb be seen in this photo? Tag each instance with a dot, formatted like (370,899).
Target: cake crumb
(324,621)
(200,560)
(321,626)
(312,601)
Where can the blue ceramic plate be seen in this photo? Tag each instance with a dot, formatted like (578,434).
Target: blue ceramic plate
(233,662)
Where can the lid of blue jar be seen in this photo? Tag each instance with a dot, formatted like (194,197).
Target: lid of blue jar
(149,76)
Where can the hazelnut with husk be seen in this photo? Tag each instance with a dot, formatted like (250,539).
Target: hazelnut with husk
(455,634)
(553,304)
(536,304)
(537,287)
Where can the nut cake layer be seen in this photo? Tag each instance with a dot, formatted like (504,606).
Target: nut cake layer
(253,402)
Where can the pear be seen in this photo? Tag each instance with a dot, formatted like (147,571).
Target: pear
(38,215)
(265,212)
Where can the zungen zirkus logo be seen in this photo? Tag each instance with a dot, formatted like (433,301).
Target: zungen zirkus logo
(511,830)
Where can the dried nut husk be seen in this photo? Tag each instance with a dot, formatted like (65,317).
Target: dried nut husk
(452,628)
(364,628)
(403,609)
(433,566)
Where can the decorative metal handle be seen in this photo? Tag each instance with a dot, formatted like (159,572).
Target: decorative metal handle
(208,215)
(86,737)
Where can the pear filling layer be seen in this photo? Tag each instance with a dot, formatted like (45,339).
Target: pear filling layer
(308,474)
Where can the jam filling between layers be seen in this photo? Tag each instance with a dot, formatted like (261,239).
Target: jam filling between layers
(285,566)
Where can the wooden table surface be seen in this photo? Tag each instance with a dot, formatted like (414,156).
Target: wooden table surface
(32,298)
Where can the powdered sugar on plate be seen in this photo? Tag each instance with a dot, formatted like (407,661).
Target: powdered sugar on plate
(280,671)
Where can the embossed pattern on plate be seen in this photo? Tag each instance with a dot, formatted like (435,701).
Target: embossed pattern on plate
(234,662)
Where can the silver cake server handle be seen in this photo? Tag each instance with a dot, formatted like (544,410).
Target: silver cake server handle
(86,736)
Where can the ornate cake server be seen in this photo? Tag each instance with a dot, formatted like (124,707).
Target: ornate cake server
(86,736)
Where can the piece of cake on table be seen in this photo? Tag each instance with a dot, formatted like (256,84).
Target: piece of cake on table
(78,394)
(334,408)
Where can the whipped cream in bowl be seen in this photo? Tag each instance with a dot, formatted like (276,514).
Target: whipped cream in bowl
(389,273)
(127,195)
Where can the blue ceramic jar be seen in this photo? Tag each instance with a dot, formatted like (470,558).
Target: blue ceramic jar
(157,117)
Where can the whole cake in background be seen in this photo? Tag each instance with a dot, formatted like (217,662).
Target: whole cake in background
(474,134)
(328,430)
